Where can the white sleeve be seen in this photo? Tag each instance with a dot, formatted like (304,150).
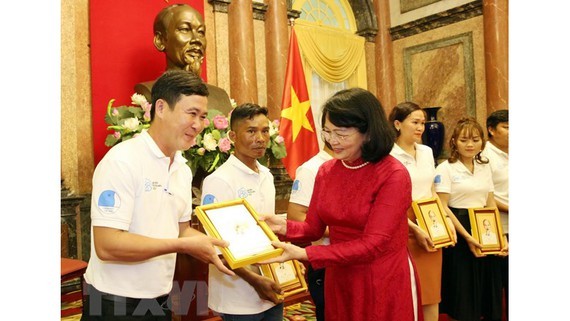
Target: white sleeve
(215,190)
(442,180)
(113,194)
(302,188)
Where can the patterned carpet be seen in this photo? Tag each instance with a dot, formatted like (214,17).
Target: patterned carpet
(303,311)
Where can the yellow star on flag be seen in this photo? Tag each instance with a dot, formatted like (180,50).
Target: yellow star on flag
(297,113)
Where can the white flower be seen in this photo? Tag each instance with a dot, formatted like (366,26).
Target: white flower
(138,99)
(272,129)
(210,142)
(131,123)
(233,103)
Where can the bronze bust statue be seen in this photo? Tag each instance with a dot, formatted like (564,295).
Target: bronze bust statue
(180,33)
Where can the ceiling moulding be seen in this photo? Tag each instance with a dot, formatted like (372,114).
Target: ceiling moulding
(441,19)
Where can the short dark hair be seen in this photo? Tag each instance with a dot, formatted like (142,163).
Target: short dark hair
(401,111)
(246,111)
(175,83)
(359,108)
(496,117)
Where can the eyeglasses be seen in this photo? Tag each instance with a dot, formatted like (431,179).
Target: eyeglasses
(328,135)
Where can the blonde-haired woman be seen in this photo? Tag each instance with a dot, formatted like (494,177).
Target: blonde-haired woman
(471,283)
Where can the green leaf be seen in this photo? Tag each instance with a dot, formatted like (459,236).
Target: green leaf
(136,111)
(278,151)
(111,140)
(216,134)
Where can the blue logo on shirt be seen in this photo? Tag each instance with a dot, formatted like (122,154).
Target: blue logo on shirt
(437,179)
(109,201)
(147,185)
(296,185)
(208,199)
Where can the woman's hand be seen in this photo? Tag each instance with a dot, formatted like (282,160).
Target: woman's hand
(290,252)
(451,228)
(423,239)
(505,249)
(276,223)
(474,245)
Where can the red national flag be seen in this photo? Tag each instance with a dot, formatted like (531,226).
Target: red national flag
(297,125)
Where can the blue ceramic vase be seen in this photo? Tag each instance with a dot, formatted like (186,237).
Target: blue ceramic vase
(434,132)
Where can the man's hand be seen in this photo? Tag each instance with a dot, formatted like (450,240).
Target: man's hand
(201,247)
(267,289)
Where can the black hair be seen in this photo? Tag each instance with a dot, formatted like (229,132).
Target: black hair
(359,108)
(246,111)
(496,117)
(173,84)
(400,112)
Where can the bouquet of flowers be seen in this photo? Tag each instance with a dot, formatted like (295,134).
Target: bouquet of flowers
(213,146)
(127,121)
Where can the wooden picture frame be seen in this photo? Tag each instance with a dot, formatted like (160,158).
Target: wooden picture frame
(486,228)
(431,218)
(237,222)
(288,275)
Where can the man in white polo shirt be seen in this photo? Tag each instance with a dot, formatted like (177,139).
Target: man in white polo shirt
(249,296)
(141,206)
(301,193)
(497,151)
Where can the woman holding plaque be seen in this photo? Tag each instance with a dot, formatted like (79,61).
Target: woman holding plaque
(362,195)
(471,282)
(408,120)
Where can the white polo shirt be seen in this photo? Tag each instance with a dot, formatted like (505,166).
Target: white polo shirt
(499,162)
(421,169)
(232,180)
(302,189)
(135,190)
(465,189)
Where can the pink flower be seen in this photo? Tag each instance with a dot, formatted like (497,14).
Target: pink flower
(201,151)
(147,115)
(117,135)
(146,106)
(220,122)
(224,144)
(115,112)
(276,123)
(206,122)
(279,139)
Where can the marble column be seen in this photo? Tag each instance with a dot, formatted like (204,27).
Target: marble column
(385,79)
(243,79)
(276,43)
(496,38)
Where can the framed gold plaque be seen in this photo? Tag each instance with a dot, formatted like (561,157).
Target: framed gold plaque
(430,217)
(237,222)
(288,275)
(486,228)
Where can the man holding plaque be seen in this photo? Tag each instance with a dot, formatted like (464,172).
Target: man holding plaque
(249,295)
(141,208)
